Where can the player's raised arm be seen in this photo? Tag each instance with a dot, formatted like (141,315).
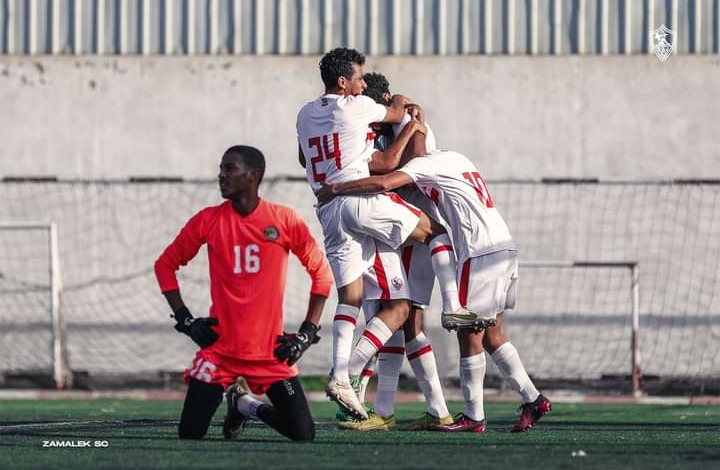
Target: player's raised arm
(385,161)
(396,110)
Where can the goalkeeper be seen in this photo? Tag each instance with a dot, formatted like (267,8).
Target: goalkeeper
(242,344)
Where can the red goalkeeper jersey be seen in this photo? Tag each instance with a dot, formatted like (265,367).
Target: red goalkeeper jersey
(248,268)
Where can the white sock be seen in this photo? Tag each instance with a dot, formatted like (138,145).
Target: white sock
(444,265)
(508,362)
(422,361)
(365,377)
(248,406)
(472,376)
(390,360)
(343,329)
(372,339)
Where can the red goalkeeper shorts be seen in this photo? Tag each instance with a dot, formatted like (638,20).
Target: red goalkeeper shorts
(214,368)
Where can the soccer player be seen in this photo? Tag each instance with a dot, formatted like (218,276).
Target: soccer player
(336,144)
(411,339)
(248,240)
(487,276)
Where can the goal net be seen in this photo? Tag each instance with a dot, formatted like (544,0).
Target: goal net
(32,333)
(573,322)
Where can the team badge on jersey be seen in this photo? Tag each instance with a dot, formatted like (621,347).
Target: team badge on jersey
(397,283)
(271,233)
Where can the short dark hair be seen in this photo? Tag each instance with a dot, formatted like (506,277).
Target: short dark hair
(252,158)
(377,86)
(338,63)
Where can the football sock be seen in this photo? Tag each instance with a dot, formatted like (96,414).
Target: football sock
(422,361)
(343,329)
(472,376)
(248,406)
(390,360)
(372,339)
(445,269)
(365,377)
(508,362)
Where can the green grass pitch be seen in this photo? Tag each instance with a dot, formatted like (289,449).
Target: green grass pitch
(142,434)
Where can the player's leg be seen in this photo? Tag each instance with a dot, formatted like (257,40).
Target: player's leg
(416,261)
(506,357)
(201,401)
(348,256)
(386,281)
(472,376)
(422,361)
(289,414)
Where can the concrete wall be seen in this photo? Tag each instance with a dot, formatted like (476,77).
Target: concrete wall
(518,117)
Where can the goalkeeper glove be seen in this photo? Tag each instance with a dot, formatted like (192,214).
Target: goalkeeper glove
(199,329)
(293,345)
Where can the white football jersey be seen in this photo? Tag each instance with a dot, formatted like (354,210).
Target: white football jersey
(455,185)
(334,135)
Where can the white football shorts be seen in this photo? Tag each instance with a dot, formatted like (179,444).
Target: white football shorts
(352,224)
(385,279)
(418,269)
(488,284)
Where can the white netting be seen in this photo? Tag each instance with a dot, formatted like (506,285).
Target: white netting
(570,322)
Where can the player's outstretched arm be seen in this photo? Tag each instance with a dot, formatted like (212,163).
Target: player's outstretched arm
(369,185)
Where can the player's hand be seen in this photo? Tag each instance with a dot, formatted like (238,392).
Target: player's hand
(325,194)
(293,345)
(198,329)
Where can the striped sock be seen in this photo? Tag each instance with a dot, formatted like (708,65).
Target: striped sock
(365,377)
(343,329)
(422,361)
(390,360)
(445,268)
(372,339)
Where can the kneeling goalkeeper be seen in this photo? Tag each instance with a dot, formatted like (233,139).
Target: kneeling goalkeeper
(242,343)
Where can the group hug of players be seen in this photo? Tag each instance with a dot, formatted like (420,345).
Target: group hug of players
(396,214)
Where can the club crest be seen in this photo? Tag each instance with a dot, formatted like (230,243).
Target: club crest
(663,47)
(271,233)
(397,283)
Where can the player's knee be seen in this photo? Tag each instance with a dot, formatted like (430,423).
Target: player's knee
(305,433)
(186,431)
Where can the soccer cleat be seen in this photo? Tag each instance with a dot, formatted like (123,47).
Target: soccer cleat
(464,319)
(424,422)
(343,394)
(234,422)
(461,424)
(530,413)
(375,422)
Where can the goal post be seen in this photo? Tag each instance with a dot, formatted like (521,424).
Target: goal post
(22,276)
(633,287)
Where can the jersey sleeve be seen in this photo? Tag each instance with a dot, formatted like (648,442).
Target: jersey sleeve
(417,168)
(180,251)
(304,246)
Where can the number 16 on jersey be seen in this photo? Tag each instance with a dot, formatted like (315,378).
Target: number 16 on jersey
(247,260)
